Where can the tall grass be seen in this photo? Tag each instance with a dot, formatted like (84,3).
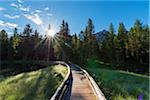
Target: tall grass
(120,85)
(35,85)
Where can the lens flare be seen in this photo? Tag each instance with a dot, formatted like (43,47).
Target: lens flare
(50,33)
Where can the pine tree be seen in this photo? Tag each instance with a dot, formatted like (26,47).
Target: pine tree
(122,37)
(109,43)
(111,28)
(3,44)
(74,41)
(89,39)
(138,41)
(26,43)
(65,40)
(16,40)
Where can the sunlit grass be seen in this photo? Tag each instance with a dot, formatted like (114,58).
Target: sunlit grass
(35,85)
(120,85)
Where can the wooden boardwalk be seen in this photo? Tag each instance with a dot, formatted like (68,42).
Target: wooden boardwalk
(81,87)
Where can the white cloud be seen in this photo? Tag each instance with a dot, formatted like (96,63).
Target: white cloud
(12,17)
(14,5)
(7,24)
(38,11)
(34,18)
(1,9)
(24,8)
(49,14)
(11,25)
(20,1)
(20,7)
(46,8)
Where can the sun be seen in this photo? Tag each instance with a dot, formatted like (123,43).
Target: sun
(50,32)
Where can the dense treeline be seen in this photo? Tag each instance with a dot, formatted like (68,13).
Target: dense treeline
(123,49)
(116,47)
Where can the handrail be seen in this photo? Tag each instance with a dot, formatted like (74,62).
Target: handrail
(61,90)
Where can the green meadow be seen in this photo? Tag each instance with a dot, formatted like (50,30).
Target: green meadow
(35,85)
(119,85)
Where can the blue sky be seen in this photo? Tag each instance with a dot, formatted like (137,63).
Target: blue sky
(40,13)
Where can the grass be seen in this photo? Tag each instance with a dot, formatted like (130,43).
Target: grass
(120,85)
(35,85)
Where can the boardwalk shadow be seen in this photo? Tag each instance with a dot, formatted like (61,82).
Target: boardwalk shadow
(74,68)
(69,89)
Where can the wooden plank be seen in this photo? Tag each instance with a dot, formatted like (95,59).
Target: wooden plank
(81,88)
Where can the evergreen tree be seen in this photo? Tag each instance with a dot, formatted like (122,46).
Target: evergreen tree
(138,41)
(111,28)
(74,41)
(11,53)
(89,39)
(122,37)
(109,43)
(16,40)
(26,43)
(65,40)
(3,44)
(36,42)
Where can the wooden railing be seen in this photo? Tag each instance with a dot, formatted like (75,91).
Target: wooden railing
(62,89)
